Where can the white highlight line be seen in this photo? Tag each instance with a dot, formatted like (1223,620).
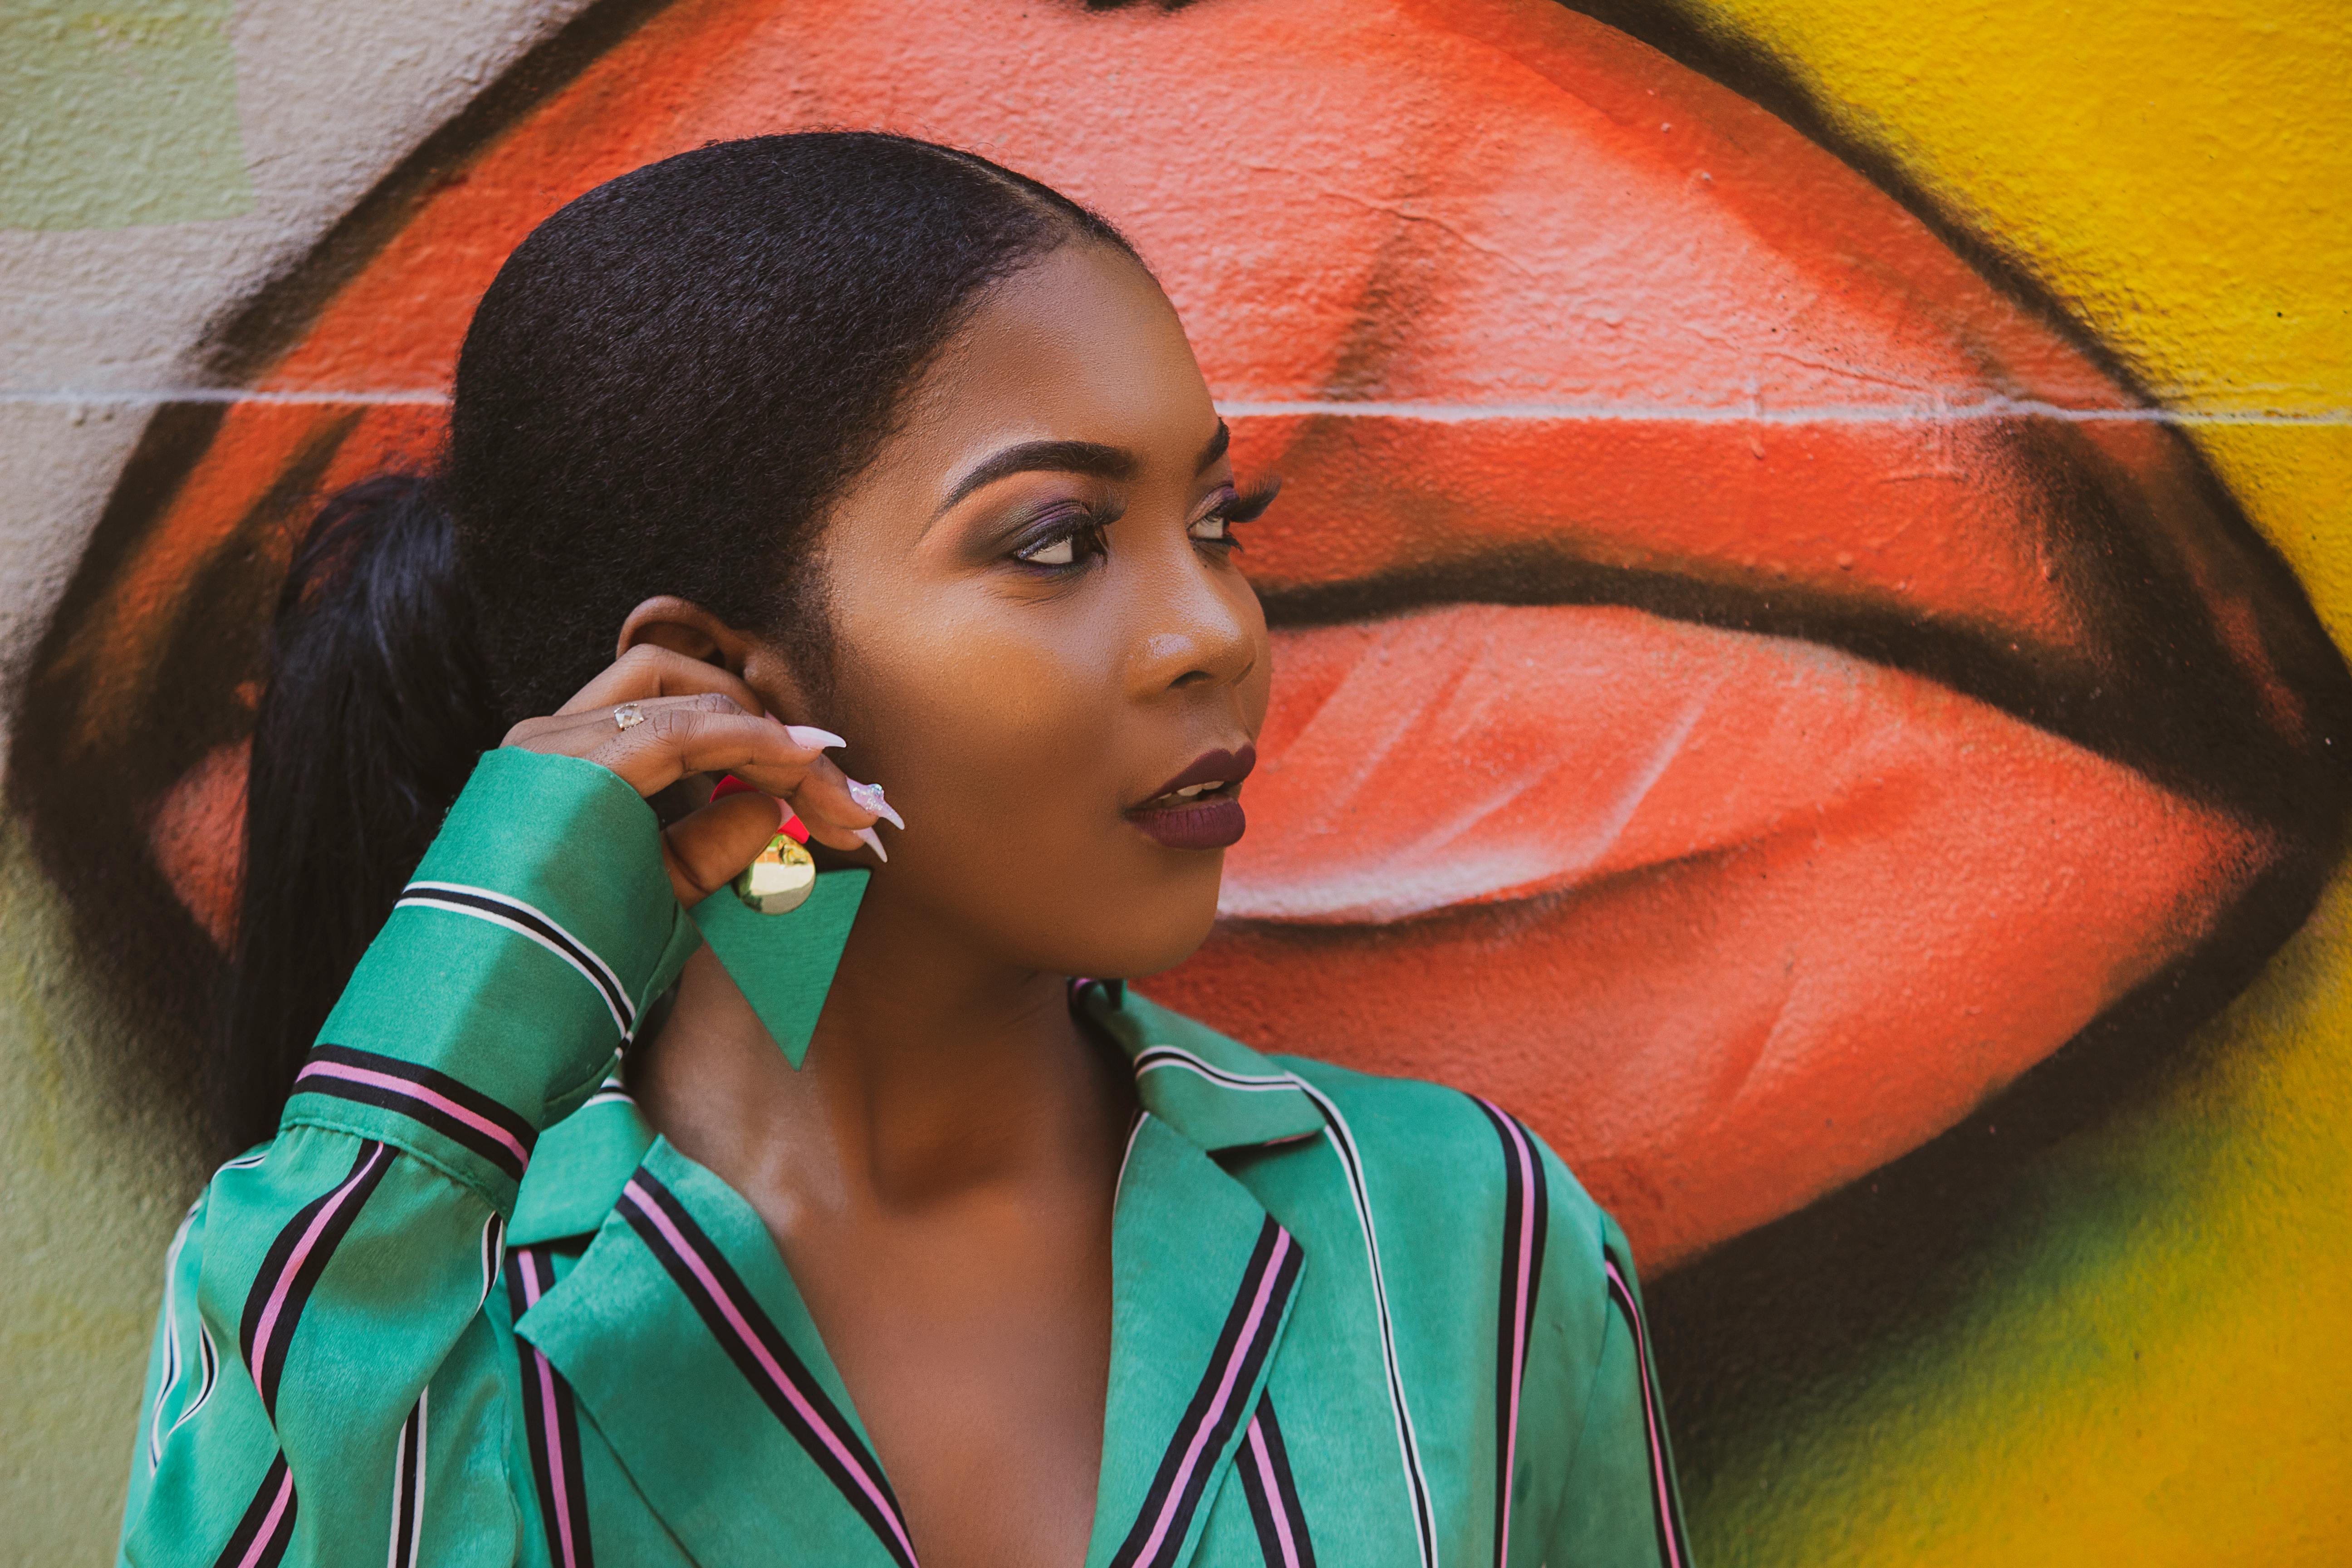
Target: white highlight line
(1743,412)
(1751,414)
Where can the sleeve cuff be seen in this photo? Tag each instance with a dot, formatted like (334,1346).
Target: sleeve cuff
(514,967)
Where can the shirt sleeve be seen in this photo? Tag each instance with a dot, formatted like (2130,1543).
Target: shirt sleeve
(1620,1506)
(325,1386)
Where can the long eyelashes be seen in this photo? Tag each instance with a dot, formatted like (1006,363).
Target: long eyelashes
(1251,504)
(1234,509)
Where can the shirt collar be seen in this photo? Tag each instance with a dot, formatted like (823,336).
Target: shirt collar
(579,1167)
(1213,1091)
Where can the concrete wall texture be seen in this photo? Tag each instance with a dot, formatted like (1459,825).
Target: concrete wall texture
(1856,493)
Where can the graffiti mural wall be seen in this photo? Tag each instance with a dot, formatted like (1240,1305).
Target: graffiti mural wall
(1848,508)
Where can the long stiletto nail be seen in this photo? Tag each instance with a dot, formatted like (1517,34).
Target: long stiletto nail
(865,836)
(810,735)
(869,797)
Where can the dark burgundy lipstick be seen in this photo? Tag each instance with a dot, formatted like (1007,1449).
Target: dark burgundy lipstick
(1201,807)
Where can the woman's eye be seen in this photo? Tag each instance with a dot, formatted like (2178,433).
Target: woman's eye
(1227,507)
(1077,539)
(1059,551)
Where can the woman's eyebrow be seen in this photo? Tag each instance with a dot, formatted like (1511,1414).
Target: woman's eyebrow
(1059,456)
(1215,449)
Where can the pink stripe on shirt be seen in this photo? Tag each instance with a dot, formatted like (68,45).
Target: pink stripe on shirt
(268,1534)
(286,1276)
(1234,1363)
(784,1385)
(440,1102)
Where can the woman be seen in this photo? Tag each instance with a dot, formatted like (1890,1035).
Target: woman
(554,1253)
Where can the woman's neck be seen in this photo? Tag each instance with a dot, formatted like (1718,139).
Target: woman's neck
(939,1178)
(934,1074)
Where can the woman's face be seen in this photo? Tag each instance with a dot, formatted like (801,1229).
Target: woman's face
(1040,631)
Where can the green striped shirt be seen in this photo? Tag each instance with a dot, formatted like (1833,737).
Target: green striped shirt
(467,1308)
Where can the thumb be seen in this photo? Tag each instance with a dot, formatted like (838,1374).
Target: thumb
(705,850)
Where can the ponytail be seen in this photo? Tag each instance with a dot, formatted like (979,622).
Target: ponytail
(377,706)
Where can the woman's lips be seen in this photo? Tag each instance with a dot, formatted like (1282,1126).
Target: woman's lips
(1200,809)
(1212,822)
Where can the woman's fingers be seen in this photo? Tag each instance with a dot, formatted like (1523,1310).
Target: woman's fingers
(684,717)
(648,671)
(680,736)
(822,795)
(670,737)
(710,735)
(704,850)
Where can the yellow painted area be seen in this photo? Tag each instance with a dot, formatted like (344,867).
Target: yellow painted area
(97,1169)
(2176,169)
(2156,1373)
(2296,481)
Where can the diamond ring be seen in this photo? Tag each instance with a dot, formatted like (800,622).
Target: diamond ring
(628,716)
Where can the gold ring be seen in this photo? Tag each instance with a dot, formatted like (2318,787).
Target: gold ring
(627,715)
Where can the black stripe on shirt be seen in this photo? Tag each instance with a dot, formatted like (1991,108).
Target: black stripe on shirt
(418,1109)
(1674,1542)
(266,1528)
(550,1422)
(289,1273)
(1242,1346)
(408,1489)
(1273,1493)
(208,1360)
(888,1529)
(482,901)
(1526,1212)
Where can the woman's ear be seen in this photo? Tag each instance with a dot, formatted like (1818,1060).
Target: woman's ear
(684,626)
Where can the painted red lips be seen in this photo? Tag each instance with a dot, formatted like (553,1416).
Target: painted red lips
(1746,688)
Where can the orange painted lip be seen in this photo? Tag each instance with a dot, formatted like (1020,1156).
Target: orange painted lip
(1748,687)
(1801,911)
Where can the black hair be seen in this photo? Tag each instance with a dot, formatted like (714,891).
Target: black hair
(662,392)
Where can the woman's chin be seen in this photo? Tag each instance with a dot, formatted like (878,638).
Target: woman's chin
(1146,933)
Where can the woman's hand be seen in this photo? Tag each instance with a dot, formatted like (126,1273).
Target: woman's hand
(700,718)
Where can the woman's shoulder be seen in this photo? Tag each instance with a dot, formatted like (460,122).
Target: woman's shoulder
(1439,1171)
(1452,1146)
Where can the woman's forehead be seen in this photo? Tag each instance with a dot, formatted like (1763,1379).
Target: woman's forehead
(1080,346)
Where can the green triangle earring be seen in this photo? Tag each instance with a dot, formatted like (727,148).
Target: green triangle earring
(777,931)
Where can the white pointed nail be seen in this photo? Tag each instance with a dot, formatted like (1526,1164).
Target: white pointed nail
(866,836)
(869,797)
(810,735)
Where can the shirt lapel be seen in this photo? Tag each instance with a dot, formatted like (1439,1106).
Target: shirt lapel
(685,1341)
(579,1167)
(683,1337)
(1202,1279)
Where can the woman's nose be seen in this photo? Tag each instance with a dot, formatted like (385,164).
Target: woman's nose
(1197,626)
